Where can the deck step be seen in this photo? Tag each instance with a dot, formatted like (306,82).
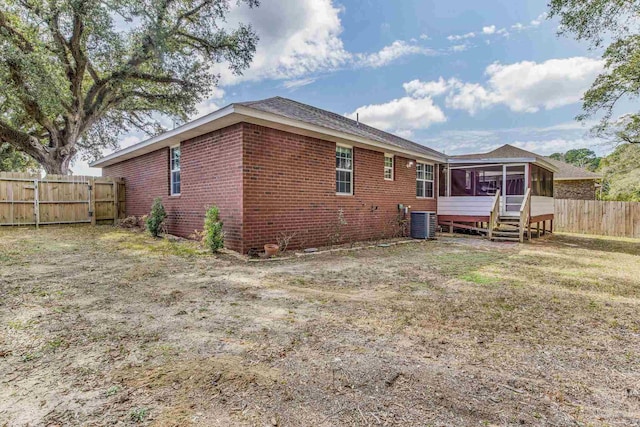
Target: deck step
(511,239)
(509,224)
(506,233)
(509,220)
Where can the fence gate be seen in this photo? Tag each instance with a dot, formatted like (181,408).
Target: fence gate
(59,199)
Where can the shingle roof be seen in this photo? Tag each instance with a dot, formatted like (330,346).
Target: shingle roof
(306,113)
(567,171)
(505,152)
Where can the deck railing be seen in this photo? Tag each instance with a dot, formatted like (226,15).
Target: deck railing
(525,215)
(494,215)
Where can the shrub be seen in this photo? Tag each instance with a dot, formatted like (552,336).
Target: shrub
(213,234)
(155,221)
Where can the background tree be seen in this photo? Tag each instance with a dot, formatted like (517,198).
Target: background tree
(557,156)
(614,22)
(621,171)
(76,74)
(581,157)
(12,160)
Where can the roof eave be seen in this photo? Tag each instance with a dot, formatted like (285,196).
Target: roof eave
(165,139)
(235,113)
(263,117)
(578,178)
(504,160)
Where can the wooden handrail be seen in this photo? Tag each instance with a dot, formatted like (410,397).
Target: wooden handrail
(525,212)
(494,215)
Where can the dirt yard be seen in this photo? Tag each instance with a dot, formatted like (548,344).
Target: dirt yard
(110,327)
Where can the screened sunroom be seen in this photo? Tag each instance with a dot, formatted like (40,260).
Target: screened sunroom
(477,191)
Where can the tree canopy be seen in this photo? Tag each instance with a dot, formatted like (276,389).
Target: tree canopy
(12,160)
(616,22)
(76,74)
(581,157)
(621,171)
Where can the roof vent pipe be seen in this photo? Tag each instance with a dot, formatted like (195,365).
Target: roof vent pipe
(358,118)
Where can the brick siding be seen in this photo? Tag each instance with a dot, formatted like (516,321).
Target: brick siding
(581,189)
(289,187)
(211,174)
(267,182)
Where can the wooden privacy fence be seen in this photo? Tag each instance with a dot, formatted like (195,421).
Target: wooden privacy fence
(26,199)
(620,219)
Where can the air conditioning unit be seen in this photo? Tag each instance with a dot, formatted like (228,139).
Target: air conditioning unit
(423,225)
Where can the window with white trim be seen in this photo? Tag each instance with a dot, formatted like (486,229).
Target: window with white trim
(424,180)
(388,167)
(344,170)
(175,171)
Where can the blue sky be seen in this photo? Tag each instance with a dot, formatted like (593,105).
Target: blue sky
(448,74)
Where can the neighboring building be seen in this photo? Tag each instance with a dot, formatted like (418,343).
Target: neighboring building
(572,182)
(278,166)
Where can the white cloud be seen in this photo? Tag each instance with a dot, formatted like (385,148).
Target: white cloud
(424,36)
(528,86)
(301,37)
(295,84)
(419,89)
(455,37)
(297,37)
(469,96)
(492,29)
(394,51)
(459,47)
(212,104)
(536,22)
(550,146)
(523,86)
(489,30)
(401,115)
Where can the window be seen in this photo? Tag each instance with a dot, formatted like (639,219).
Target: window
(175,171)
(388,167)
(541,181)
(442,182)
(424,180)
(344,170)
(487,180)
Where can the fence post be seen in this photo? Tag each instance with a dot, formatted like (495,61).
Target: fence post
(92,200)
(36,203)
(116,202)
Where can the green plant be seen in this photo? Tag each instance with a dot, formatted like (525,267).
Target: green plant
(139,414)
(155,221)
(113,390)
(213,234)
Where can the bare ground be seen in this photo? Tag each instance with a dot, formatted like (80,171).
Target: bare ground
(100,326)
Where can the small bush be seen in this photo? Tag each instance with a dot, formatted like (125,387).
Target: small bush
(155,221)
(138,415)
(213,234)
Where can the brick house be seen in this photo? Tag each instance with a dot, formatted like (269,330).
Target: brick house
(277,166)
(572,182)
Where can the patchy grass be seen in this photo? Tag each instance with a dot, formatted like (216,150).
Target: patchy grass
(105,326)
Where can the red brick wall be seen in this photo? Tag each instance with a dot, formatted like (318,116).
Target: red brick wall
(289,186)
(267,182)
(211,173)
(146,177)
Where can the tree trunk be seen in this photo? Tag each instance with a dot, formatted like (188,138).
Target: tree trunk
(57,160)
